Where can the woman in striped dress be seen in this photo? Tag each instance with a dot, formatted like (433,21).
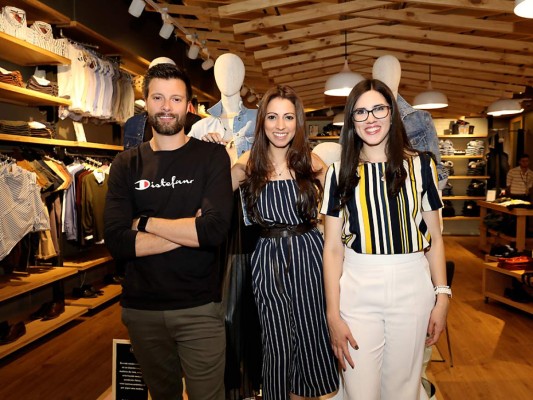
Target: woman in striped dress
(281,183)
(384,266)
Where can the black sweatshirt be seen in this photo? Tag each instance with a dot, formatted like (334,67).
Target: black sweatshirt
(169,184)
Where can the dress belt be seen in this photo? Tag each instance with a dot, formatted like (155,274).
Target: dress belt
(286,231)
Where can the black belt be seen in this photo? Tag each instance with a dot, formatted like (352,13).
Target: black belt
(281,232)
(286,230)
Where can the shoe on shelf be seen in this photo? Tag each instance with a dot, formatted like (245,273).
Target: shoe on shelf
(10,333)
(55,309)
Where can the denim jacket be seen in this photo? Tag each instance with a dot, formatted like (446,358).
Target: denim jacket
(422,134)
(243,126)
(134,130)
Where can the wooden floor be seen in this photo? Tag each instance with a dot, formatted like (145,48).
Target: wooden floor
(492,345)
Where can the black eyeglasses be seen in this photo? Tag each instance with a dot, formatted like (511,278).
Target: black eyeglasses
(379,112)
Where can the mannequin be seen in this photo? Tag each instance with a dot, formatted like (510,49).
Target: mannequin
(418,123)
(230,123)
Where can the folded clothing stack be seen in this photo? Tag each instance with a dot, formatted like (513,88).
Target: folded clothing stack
(42,85)
(11,77)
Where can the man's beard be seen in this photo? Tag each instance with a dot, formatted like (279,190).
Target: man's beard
(165,128)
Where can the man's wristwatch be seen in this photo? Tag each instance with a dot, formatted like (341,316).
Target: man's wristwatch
(141,226)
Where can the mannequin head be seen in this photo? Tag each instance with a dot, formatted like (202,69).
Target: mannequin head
(229,74)
(387,69)
(161,60)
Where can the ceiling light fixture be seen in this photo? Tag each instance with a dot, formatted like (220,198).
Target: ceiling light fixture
(207,63)
(504,107)
(136,8)
(330,112)
(342,83)
(430,99)
(523,8)
(168,26)
(338,119)
(244,91)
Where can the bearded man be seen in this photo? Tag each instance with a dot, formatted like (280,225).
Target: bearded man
(168,207)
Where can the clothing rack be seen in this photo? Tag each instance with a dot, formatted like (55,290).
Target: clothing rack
(86,156)
(92,46)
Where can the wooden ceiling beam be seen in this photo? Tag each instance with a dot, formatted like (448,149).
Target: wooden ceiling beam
(247,6)
(319,11)
(501,6)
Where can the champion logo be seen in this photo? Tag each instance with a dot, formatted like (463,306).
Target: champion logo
(144,184)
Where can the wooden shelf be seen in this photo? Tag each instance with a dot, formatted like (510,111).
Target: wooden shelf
(57,142)
(475,135)
(16,284)
(110,292)
(324,137)
(496,280)
(83,265)
(20,52)
(463,197)
(26,97)
(458,177)
(460,157)
(460,218)
(37,329)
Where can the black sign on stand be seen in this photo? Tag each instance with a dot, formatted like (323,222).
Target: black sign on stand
(128,383)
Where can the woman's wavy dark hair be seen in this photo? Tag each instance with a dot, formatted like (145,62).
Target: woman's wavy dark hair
(260,168)
(397,148)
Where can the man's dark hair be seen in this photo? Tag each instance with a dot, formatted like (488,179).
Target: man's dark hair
(523,156)
(166,71)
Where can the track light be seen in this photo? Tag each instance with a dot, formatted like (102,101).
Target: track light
(193,51)
(330,112)
(136,7)
(244,91)
(251,98)
(207,64)
(168,27)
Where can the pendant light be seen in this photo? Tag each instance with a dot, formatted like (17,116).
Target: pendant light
(430,99)
(338,119)
(342,83)
(504,107)
(523,8)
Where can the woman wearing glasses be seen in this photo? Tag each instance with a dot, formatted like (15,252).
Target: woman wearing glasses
(384,265)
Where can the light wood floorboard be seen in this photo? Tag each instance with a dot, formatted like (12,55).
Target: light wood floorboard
(492,346)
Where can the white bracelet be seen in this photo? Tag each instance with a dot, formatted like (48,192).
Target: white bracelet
(444,290)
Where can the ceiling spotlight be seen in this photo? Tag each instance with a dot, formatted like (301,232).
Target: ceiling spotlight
(251,98)
(193,51)
(244,91)
(168,27)
(504,107)
(524,8)
(136,7)
(207,64)
(330,113)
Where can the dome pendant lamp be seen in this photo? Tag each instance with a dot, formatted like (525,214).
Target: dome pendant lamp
(523,8)
(430,99)
(342,83)
(504,107)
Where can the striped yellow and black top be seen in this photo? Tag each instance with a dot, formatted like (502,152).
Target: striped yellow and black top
(376,223)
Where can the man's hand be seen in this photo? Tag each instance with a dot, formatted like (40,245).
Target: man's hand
(214,137)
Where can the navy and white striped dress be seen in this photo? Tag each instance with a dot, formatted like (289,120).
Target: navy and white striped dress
(288,288)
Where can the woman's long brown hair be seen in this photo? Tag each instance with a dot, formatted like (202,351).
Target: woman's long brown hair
(260,168)
(397,149)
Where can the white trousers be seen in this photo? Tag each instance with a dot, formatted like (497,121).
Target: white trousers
(386,301)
